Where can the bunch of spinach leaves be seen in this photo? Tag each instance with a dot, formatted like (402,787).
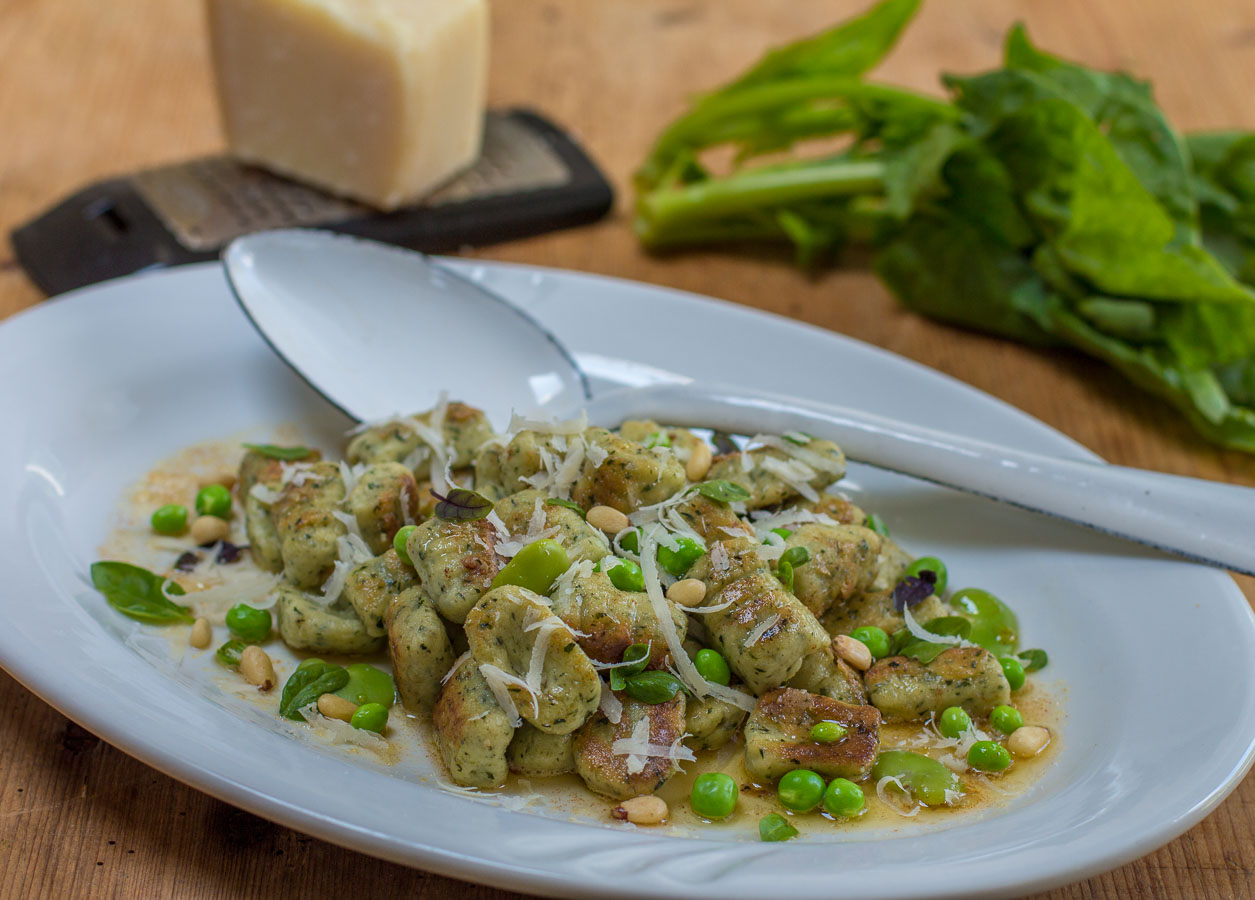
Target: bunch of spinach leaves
(1044,201)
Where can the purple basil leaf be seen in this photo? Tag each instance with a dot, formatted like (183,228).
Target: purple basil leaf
(462,504)
(914,589)
(229,552)
(187,561)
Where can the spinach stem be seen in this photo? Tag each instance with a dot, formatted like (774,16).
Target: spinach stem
(755,189)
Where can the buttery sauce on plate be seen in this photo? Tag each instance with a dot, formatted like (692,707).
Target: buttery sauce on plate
(409,748)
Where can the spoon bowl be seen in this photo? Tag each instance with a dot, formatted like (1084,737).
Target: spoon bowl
(378,330)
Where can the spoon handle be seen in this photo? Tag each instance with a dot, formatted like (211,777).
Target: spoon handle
(1202,520)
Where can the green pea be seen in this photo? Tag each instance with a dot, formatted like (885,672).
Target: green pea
(775,827)
(954,721)
(368,685)
(170,519)
(930,564)
(370,717)
(229,653)
(843,798)
(712,666)
(625,575)
(248,623)
(801,790)
(925,778)
(677,562)
(988,756)
(1006,719)
(214,500)
(714,795)
(1014,670)
(828,732)
(876,524)
(631,542)
(876,640)
(994,626)
(653,687)
(399,541)
(536,567)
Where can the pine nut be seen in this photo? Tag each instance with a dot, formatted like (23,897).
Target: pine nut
(209,530)
(853,651)
(334,707)
(257,668)
(607,519)
(201,634)
(647,810)
(226,479)
(699,462)
(688,592)
(1028,740)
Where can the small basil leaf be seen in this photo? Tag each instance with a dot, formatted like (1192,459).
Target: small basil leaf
(138,593)
(638,655)
(462,504)
(784,572)
(956,625)
(657,439)
(924,651)
(309,682)
(1034,659)
(899,640)
(876,524)
(723,491)
(567,504)
(801,438)
(653,687)
(796,556)
(616,680)
(275,452)
(229,653)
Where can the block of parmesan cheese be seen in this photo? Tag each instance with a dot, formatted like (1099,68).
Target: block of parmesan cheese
(377,100)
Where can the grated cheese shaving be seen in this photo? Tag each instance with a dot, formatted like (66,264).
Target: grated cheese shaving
(802,454)
(687,672)
(500,682)
(919,631)
(569,470)
(596,455)
(884,796)
(794,473)
(760,629)
(254,588)
(565,585)
(772,547)
(263,494)
(747,461)
(739,699)
(406,517)
(611,705)
(457,664)
(578,425)
(638,749)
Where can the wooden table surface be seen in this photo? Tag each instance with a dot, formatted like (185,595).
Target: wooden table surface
(90,89)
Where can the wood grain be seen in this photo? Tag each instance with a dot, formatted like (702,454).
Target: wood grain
(91,89)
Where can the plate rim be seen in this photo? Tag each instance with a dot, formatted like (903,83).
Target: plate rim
(506,874)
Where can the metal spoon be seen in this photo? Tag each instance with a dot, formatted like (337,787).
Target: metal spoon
(375,329)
